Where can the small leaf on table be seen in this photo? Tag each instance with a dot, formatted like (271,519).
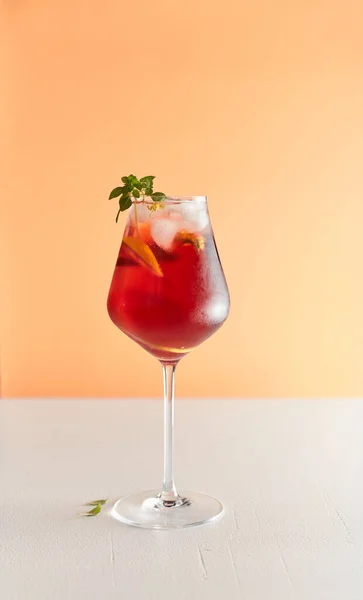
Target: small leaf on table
(93,512)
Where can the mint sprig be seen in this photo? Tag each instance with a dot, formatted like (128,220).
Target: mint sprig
(135,188)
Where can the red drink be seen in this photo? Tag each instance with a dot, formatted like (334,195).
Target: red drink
(168,291)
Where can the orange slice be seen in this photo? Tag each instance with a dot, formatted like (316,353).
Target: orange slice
(144,253)
(191,238)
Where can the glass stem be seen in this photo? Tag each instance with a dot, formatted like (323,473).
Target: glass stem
(168,492)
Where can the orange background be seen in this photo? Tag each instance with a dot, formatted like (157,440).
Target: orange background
(257,104)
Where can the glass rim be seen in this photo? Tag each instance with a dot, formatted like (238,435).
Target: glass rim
(170,200)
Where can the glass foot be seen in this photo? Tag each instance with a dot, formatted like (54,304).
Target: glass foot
(146,509)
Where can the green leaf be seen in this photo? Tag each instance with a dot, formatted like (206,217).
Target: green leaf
(125,203)
(157,196)
(138,185)
(115,192)
(95,502)
(133,179)
(148,180)
(93,512)
(136,193)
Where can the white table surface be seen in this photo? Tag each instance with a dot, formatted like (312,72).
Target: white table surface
(289,472)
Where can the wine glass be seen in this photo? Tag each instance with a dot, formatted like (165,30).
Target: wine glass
(169,294)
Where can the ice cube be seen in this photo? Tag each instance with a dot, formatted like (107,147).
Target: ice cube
(193,213)
(163,231)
